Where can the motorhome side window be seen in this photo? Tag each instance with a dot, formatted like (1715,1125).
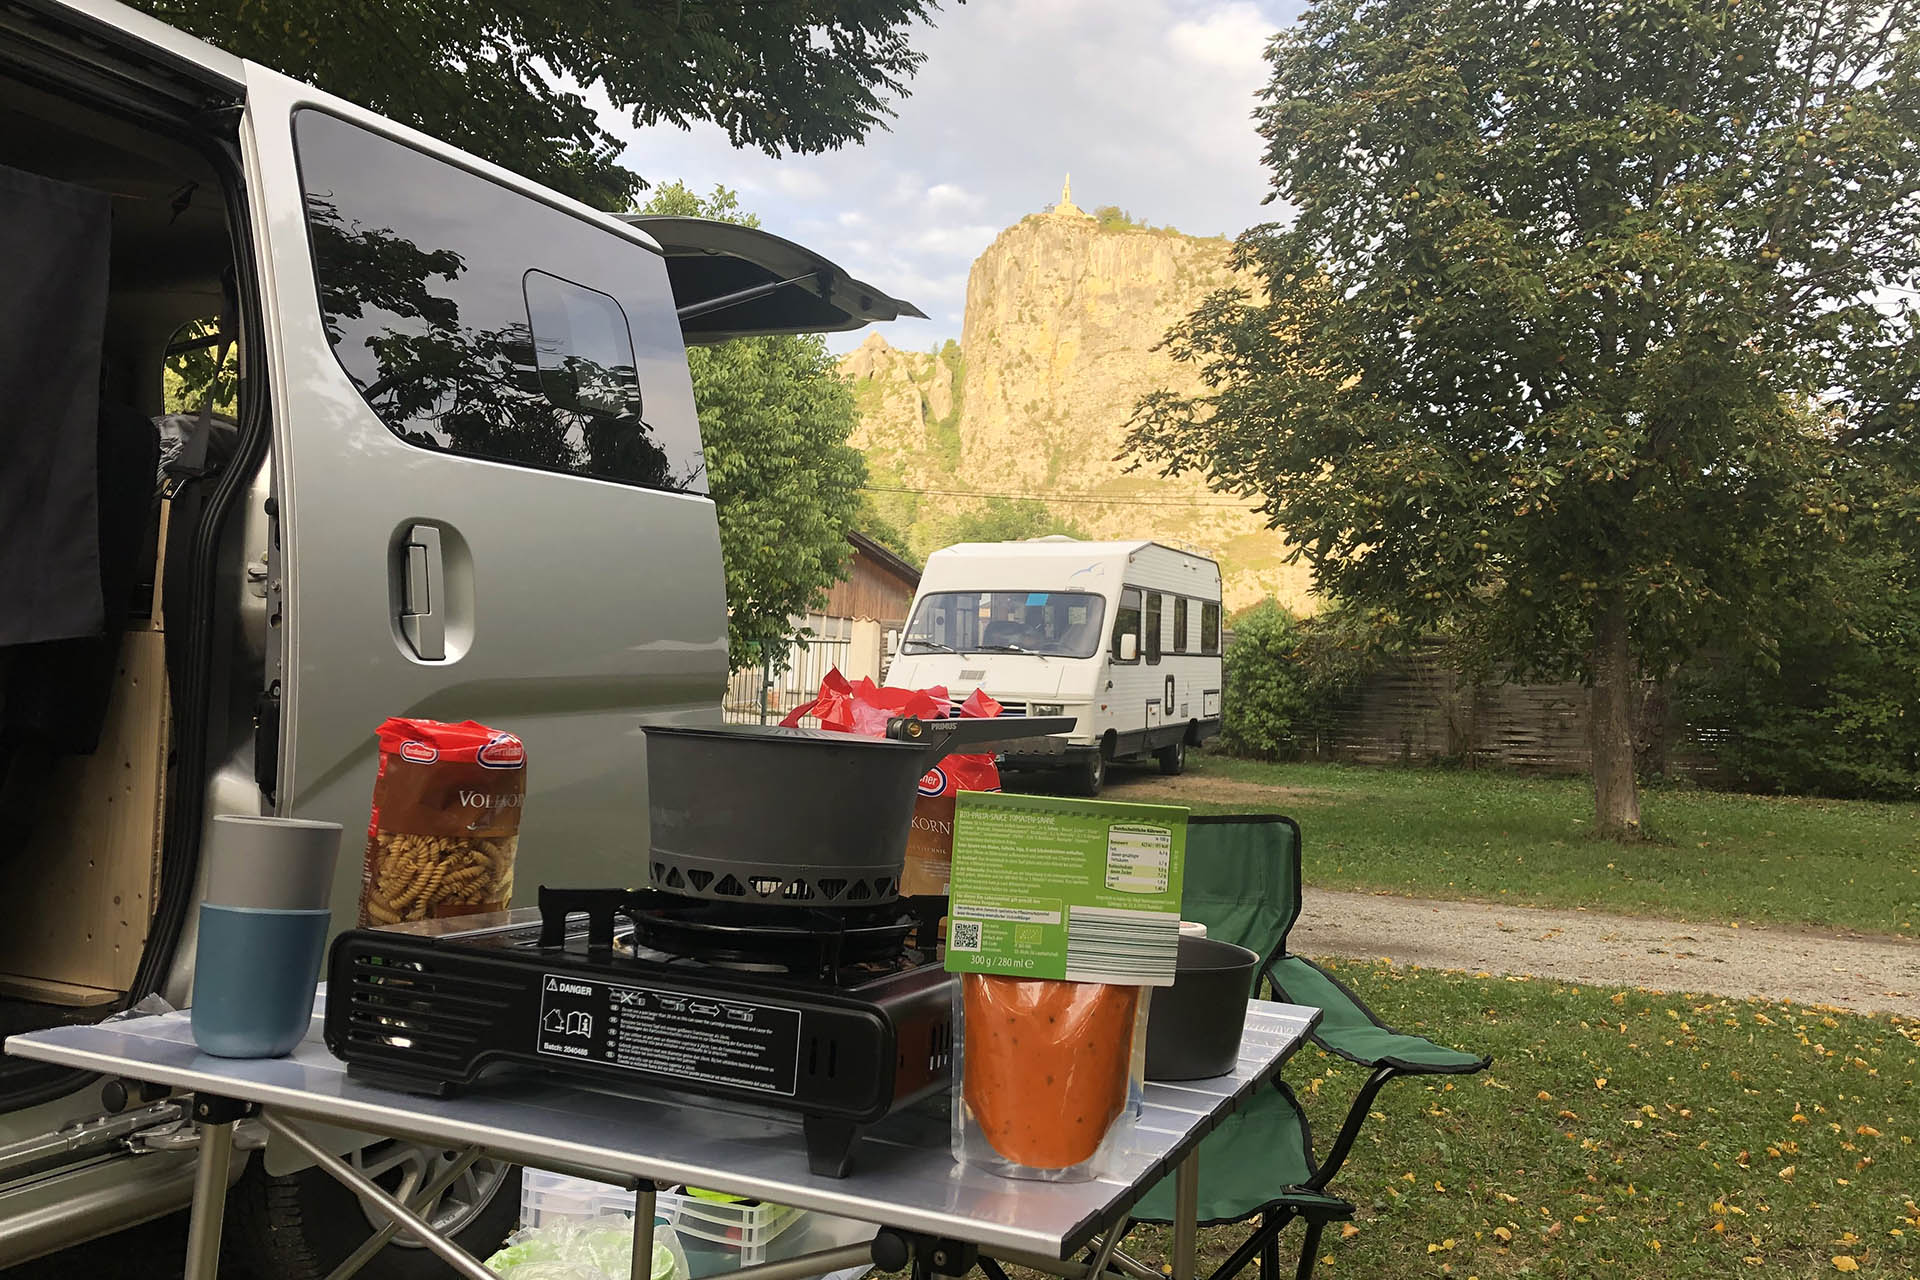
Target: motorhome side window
(1209,628)
(1126,622)
(1180,624)
(454,305)
(1153,624)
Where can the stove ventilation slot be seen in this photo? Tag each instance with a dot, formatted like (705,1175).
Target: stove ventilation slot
(938,1047)
(421,1009)
(823,1051)
(942,1055)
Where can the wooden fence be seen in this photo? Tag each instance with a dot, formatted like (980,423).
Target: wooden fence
(1415,708)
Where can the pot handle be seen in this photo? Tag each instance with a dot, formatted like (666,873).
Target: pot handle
(942,738)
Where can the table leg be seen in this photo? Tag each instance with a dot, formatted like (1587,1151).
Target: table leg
(421,1198)
(347,1176)
(1096,1269)
(1128,1265)
(209,1213)
(645,1201)
(1186,1215)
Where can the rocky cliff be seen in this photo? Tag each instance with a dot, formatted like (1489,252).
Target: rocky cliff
(1062,317)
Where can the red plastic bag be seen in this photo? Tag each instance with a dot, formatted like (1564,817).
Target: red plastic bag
(865,708)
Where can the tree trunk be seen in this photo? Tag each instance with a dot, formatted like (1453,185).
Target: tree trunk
(1610,726)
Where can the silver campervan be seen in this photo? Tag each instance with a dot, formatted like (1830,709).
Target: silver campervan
(459,475)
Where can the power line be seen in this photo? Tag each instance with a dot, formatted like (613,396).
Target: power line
(1114,501)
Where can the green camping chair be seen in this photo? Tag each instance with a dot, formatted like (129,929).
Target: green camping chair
(1243,883)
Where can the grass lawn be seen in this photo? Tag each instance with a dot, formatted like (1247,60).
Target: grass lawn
(1620,1133)
(1499,837)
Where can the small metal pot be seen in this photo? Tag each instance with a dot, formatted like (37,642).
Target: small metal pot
(1194,1026)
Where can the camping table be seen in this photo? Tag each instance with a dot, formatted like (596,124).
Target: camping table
(903,1180)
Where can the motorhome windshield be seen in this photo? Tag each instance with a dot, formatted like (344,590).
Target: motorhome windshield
(1063,624)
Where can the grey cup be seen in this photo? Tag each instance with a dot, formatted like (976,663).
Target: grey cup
(283,864)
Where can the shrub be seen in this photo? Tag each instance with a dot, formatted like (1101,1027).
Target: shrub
(1265,689)
(1836,711)
(1287,677)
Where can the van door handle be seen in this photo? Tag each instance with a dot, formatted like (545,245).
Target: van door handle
(423,593)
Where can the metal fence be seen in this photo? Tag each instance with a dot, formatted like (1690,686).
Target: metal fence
(757,695)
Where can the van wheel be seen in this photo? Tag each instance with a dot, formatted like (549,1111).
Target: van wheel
(1173,759)
(1090,774)
(303,1225)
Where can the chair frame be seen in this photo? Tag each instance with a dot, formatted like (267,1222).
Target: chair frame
(1277,1214)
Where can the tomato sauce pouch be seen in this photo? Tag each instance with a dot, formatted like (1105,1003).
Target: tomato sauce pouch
(1045,1071)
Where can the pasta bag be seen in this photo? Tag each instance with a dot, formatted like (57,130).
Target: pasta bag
(1046,1075)
(445,823)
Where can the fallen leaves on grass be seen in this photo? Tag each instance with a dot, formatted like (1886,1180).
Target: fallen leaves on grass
(1706,1195)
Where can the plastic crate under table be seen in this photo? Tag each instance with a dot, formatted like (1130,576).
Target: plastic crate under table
(742,1231)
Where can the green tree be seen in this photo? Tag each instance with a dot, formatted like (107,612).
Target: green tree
(510,81)
(1534,356)
(198,374)
(1007,520)
(775,416)
(874,523)
(1834,708)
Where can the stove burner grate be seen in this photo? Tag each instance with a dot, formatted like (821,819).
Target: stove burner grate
(842,947)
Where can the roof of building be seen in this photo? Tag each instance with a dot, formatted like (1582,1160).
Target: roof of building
(887,558)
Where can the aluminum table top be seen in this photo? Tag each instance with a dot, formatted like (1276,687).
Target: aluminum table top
(903,1174)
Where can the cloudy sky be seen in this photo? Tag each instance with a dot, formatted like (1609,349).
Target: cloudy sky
(1145,102)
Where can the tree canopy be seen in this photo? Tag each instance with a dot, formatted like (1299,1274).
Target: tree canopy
(1577,310)
(775,415)
(514,82)
(1007,520)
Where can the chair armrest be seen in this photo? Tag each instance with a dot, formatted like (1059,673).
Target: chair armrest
(1348,1028)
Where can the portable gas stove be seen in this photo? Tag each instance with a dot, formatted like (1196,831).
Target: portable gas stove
(841,1015)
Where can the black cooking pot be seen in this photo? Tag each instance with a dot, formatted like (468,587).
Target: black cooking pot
(1194,1026)
(799,817)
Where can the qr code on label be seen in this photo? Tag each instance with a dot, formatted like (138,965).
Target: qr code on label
(964,935)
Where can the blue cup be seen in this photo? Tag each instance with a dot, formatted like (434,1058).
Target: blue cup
(254,975)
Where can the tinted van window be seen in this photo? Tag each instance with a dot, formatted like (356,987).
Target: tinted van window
(582,346)
(452,303)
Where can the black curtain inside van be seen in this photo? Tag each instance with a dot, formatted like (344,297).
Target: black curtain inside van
(54,241)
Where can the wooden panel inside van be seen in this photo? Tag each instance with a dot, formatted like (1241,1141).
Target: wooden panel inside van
(80,896)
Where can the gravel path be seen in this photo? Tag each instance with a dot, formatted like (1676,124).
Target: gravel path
(1851,971)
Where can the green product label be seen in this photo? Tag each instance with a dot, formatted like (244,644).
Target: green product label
(1086,890)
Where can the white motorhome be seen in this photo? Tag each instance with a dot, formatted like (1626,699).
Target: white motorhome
(1124,636)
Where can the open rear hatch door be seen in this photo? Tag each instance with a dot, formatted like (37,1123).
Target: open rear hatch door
(731,281)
